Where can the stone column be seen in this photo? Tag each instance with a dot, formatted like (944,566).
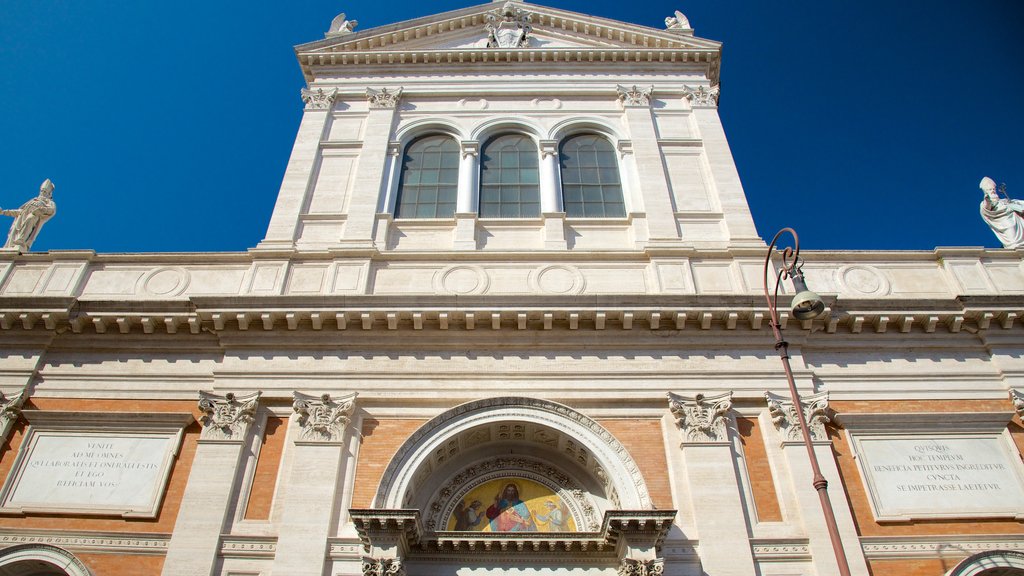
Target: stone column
(731,198)
(468,199)
(296,185)
(370,176)
(817,413)
(550,191)
(654,190)
(212,483)
(719,513)
(310,501)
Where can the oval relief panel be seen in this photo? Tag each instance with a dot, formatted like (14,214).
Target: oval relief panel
(863,279)
(165,281)
(461,280)
(558,279)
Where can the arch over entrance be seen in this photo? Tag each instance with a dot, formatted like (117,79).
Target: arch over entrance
(534,439)
(991,563)
(40,560)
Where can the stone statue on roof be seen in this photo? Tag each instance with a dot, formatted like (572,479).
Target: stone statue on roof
(1004,215)
(29,219)
(677,22)
(341,25)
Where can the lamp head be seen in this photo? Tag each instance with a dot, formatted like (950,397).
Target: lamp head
(806,305)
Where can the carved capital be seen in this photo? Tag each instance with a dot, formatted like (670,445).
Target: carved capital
(634,96)
(785,418)
(701,418)
(508,27)
(10,409)
(702,96)
(383,98)
(548,148)
(630,567)
(322,418)
(227,417)
(319,99)
(469,148)
(383,567)
(1017,397)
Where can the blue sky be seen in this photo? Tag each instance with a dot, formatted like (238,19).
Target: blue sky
(166,127)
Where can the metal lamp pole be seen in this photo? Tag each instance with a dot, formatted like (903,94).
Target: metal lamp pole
(806,305)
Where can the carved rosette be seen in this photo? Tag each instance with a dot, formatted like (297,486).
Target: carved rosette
(1017,397)
(383,567)
(634,96)
(702,419)
(630,567)
(509,27)
(319,99)
(322,418)
(784,416)
(702,96)
(383,98)
(227,417)
(10,408)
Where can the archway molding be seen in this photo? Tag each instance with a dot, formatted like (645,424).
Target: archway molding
(58,558)
(991,563)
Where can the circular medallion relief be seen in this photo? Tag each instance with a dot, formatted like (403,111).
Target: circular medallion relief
(462,280)
(558,279)
(165,281)
(863,279)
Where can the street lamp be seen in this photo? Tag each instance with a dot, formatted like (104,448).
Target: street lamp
(806,305)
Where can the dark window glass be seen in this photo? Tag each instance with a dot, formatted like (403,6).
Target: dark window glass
(430,179)
(590,178)
(509,178)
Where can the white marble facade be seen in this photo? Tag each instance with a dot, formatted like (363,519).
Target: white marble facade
(345,315)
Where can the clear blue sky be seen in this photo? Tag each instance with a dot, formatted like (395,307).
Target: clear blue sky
(167,126)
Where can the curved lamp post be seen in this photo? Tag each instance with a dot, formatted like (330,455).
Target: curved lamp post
(806,305)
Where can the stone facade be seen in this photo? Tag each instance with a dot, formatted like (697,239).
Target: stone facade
(336,400)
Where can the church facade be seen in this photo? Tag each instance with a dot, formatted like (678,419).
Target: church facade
(508,318)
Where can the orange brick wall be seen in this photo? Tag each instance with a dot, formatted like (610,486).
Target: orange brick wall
(854,485)
(264,480)
(762,483)
(163,523)
(928,567)
(644,440)
(381,439)
(122,564)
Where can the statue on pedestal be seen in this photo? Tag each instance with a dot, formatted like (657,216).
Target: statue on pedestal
(1004,216)
(29,219)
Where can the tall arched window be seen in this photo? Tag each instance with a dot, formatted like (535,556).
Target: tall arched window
(430,178)
(509,178)
(590,178)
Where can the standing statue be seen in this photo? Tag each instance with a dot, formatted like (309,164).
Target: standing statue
(1004,215)
(30,218)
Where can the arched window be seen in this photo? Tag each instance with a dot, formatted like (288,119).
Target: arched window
(509,178)
(430,178)
(590,178)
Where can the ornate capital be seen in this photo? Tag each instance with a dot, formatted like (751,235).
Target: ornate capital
(784,416)
(322,418)
(383,98)
(383,567)
(509,27)
(630,567)
(10,408)
(1017,397)
(548,148)
(227,417)
(634,96)
(469,148)
(702,418)
(319,99)
(702,96)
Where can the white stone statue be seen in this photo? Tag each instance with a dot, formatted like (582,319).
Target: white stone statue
(30,218)
(341,25)
(677,22)
(1004,215)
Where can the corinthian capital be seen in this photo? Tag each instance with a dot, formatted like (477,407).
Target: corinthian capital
(383,98)
(1017,397)
(227,417)
(634,96)
(630,567)
(702,418)
(383,567)
(322,418)
(319,99)
(10,408)
(702,96)
(786,420)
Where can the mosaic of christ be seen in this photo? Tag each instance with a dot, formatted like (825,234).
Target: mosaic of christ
(512,505)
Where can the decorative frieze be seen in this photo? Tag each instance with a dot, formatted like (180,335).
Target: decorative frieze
(702,96)
(508,27)
(630,567)
(784,416)
(634,95)
(383,567)
(702,419)
(383,98)
(321,418)
(319,99)
(227,417)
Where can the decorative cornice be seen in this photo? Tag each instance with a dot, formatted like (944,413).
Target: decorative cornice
(383,98)
(777,549)
(321,418)
(127,543)
(630,567)
(702,418)
(889,547)
(784,416)
(248,546)
(508,27)
(634,96)
(702,96)
(319,99)
(227,417)
(383,567)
